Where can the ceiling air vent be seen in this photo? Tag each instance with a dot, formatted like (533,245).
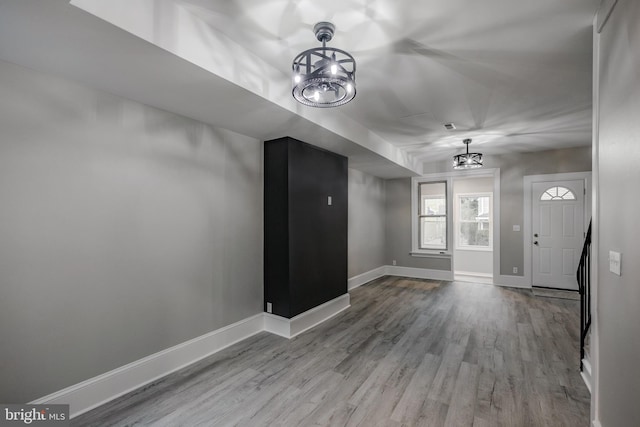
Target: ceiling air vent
(449,126)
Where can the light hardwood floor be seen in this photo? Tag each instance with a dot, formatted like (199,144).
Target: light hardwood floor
(408,352)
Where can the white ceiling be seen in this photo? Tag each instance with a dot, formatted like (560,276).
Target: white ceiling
(514,75)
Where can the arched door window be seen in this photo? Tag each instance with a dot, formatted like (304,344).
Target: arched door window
(558,193)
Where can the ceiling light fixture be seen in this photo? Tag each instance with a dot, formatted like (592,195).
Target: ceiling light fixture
(467,160)
(324,76)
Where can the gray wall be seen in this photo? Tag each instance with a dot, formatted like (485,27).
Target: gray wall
(398,229)
(124,230)
(513,168)
(366,222)
(618,322)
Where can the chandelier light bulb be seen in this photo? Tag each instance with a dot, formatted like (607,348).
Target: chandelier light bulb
(296,74)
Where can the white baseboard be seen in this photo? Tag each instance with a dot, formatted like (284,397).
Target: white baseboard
(366,277)
(425,273)
(418,273)
(586,373)
(289,328)
(101,389)
(277,325)
(467,276)
(96,391)
(511,281)
(596,423)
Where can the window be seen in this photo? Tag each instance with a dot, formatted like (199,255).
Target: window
(432,215)
(474,221)
(435,217)
(558,193)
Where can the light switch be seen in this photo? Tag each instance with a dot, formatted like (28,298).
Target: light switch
(516,228)
(614,262)
(329,201)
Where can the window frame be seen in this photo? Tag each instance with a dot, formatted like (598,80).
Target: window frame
(422,215)
(416,250)
(458,221)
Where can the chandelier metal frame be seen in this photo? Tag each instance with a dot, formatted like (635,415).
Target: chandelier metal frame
(318,70)
(467,160)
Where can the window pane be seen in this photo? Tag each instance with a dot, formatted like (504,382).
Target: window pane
(468,208)
(483,207)
(433,200)
(434,205)
(558,193)
(433,233)
(474,208)
(474,226)
(474,233)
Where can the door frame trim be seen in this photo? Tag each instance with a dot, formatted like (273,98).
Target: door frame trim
(529,180)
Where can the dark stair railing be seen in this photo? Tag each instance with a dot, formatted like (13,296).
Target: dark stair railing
(584,287)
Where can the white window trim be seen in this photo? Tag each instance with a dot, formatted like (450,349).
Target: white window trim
(415,212)
(457,221)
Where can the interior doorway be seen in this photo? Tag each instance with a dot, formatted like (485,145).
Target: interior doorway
(473,222)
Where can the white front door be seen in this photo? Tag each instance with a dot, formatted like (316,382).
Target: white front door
(557,232)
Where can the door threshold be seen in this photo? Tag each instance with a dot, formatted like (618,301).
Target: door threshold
(555,293)
(554,289)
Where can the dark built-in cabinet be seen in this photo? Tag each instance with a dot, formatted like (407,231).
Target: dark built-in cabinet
(305,215)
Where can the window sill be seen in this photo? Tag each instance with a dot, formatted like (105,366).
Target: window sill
(473,249)
(434,254)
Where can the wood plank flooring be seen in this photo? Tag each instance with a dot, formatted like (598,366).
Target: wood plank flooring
(408,352)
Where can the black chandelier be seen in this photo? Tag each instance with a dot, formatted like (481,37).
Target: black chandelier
(467,160)
(324,76)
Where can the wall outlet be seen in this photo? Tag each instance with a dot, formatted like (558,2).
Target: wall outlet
(516,228)
(393,262)
(269,308)
(515,270)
